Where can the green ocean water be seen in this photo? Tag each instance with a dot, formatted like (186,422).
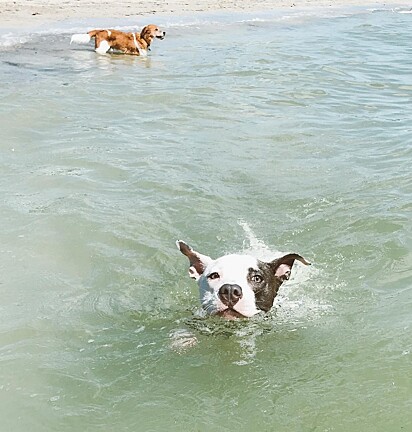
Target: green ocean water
(256,133)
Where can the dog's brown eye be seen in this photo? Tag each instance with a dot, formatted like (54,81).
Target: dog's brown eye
(257,278)
(213,275)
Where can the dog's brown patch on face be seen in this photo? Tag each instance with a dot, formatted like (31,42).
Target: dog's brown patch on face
(265,286)
(267,281)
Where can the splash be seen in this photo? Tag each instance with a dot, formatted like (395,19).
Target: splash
(255,246)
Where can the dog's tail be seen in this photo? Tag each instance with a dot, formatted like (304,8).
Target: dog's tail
(82,38)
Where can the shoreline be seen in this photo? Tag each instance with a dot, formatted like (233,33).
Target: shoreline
(20,14)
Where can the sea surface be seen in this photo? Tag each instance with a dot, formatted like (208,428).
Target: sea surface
(284,131)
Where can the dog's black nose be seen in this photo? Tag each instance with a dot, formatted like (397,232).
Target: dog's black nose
(230,294)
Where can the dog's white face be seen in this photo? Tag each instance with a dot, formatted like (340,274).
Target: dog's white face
(229,272)
(237,286)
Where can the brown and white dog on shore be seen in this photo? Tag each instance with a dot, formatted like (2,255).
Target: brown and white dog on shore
(127,43)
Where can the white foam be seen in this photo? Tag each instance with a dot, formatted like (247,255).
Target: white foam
(260,250)
(256,247)
(9,40)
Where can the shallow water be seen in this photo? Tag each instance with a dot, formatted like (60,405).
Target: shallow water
(258,133)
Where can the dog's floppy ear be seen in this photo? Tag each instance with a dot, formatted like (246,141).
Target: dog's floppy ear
(198,262)
(146,30)
(282,266)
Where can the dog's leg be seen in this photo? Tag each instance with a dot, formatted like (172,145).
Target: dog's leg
(102,47)
(181,340)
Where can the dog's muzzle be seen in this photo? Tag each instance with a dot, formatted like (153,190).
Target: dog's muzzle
(230,294)
(162,36)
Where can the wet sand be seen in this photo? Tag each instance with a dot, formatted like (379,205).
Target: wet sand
(32,13)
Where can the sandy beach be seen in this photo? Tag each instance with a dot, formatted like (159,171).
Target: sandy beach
(32,13)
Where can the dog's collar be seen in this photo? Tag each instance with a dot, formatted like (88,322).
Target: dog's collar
(142,51)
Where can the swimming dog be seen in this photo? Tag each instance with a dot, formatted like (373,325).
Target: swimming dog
(127,43)
(237,286)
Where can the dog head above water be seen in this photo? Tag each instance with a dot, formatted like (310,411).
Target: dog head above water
(237,286)
(150,32)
